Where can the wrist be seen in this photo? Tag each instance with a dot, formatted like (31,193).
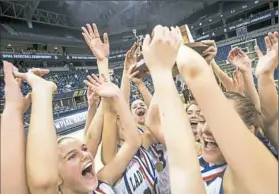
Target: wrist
(139,83)
(101,61)
(11,109)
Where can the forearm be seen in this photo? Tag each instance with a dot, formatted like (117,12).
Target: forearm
(129,126)
(90,115)
(185,160)
(152,120)
(145,93)
(222,76)
(103,67)
(250,89)
(13,153)
(211,99)
(42,150)
(109,136)
(268,98)
(125,86)
(94,133)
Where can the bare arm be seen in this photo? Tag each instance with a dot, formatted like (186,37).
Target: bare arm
(222,76)
(267,89)
(42,150)
(115,168)
(13,169)
(125,85)
(129,64)
(109,136)
(92,109)
(159,55)
(240,60)
(94,133)
(249,155)
(145,93)
(153,121)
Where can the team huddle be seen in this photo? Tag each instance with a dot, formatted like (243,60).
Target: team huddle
(219,143)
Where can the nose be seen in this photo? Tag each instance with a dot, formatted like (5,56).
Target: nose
(85,156)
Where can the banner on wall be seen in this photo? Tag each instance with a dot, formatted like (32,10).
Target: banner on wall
(69,122)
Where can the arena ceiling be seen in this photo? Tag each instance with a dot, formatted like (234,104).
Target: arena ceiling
(120,16)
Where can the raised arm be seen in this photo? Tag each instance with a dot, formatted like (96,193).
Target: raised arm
(240,60)
(99,49)
(267,89)
(159,55)
(42,151)
(13,169)
(209,55)
(129,64)
(141,86)
(248,155)
(94,133)
(153,121)
(112,171)
(93,102)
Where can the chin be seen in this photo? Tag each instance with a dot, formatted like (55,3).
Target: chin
(213,156)
(91,185)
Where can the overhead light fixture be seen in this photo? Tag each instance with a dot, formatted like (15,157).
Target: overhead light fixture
(221,15)
(9,45)
(192,27)
(210,20)
(213,34)
(232,11)
(225,30)
(200,24)
(244,6)
(203,33)
(256,2)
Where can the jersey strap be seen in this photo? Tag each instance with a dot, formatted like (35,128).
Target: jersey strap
(146,165)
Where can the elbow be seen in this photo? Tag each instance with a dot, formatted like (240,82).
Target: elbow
(41,183)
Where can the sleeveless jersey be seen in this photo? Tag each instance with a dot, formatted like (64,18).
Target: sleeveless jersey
(139,176)
(212,176)
(103,188)
(160,160)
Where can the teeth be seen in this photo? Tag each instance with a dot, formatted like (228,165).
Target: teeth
(209,140)
(87,165)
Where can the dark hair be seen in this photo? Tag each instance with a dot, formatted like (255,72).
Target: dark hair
(245,109)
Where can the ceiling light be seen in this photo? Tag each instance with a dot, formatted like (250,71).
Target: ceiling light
(200,24)
(256,2)
(244,6)
(210,20)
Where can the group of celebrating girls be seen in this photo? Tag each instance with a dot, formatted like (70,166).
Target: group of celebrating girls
(221,143)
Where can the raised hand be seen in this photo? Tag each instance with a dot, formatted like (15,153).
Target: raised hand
(160,52)
(92,38)
(33,78)
(268,62)
(13,95)
(92,97)
(102,87)
(133,76)
(238,82)
(131,57)
(210,52)
(240,60)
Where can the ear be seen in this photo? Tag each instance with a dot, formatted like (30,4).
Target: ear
(252,129)
(60,181)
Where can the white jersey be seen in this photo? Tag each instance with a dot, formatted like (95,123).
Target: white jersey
(160,159)
(103,188)
(139,176)
(212,176)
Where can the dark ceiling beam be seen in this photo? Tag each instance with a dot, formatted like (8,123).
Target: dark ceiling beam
(30,8)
